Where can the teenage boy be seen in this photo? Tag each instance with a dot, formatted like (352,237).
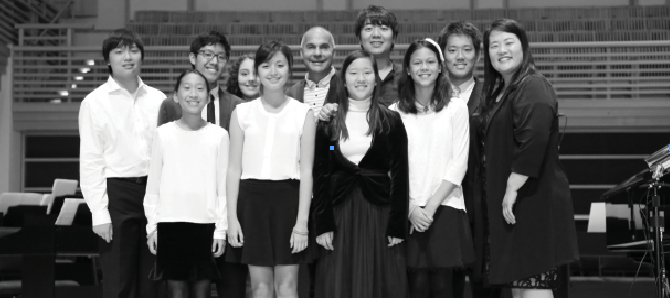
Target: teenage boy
(116,127)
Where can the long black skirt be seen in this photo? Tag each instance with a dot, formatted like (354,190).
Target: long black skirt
(267,211)
(362,265)
(446,244)
(184,252)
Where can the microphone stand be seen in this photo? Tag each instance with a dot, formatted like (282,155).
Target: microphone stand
(662,289)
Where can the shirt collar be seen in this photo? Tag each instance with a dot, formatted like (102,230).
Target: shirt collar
(323,83)
(114,85)
(467,86)
(215,91)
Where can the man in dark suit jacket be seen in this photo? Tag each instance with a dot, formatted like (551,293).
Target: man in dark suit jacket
(316,49)
(461,44)
(209,54)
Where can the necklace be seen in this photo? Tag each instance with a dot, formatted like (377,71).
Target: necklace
(422,108)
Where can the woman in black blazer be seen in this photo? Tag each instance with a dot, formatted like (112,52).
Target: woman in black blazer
(530,215)
(360,190)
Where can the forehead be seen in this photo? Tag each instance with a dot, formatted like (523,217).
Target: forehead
(247,63)
(192,79)
(217,48)
(424,53)
(317,37)
(497,35)
(362,62)
(459,40)
(277,57)
(125,45)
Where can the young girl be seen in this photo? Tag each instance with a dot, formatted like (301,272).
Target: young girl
(270,179)
(437,130)
(185,202)
(361,190)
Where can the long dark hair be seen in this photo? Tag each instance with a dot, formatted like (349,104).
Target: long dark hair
(376,115)
(493,80)
(407,92)
(266,51)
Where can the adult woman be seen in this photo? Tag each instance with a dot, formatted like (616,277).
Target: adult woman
(361,190)
(530,215)
(438,136)
(269,184)
(242,81)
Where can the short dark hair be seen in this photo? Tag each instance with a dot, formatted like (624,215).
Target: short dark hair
(121,38)
(493,80)
(209,38)
(376,15)
(186,72)
(233,73)
(461,28)
(267,51)
(441,91)
(377,114)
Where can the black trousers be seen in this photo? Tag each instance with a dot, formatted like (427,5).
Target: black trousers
(233,282)
(126,261)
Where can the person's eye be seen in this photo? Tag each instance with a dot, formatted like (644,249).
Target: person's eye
(431,61)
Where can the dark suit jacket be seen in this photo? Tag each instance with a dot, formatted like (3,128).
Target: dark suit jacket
(297,91)
(171,111)
(472,184)
(382,175)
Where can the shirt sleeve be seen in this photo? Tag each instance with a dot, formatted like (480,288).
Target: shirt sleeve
(92,166)
(399,170)
(152,195)
(534,111)
(460,145)
(221,172)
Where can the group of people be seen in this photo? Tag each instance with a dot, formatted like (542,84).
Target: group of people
(379,180)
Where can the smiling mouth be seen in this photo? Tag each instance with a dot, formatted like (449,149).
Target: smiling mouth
(192,103)
(504,58)
(376,44)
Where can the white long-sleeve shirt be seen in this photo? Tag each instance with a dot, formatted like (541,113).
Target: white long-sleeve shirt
(116,130)
(187,177)
(438,145)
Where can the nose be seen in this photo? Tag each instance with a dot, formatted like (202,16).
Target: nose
(459,54)
(126,54)
(317,52)
(376,31)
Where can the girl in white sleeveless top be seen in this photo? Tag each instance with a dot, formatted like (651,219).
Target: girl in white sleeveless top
(270,179)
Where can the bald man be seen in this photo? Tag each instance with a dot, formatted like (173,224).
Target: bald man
(316,49)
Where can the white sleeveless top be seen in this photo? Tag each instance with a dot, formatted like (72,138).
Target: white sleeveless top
(271,148)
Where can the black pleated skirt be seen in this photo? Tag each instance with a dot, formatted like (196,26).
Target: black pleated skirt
(362,265)
(184,252)
(267,211)
(446,244)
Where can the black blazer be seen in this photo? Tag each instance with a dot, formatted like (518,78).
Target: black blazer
(382,175)
(297,91)
(472,181)
(171,111)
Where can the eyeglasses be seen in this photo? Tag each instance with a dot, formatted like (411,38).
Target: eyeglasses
(209,55)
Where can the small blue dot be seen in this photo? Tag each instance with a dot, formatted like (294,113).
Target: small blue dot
(332,147)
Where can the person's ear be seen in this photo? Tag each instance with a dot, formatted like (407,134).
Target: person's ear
(191,58)
(174,97)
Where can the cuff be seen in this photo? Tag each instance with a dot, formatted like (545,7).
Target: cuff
(220,235)
(101,217)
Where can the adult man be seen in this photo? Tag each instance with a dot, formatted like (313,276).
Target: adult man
(209,54)
(316,50)
(461,44)
(116,128)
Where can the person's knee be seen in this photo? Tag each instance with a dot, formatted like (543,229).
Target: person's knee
(286,288)
(262,289)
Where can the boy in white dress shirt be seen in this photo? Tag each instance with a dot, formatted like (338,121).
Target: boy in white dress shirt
(117,122)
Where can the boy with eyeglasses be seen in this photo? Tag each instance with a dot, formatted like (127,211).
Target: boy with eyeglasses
(209,54)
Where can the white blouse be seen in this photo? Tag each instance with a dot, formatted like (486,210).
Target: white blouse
(271,148)
(187,177)
(357,144)
(438,145)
